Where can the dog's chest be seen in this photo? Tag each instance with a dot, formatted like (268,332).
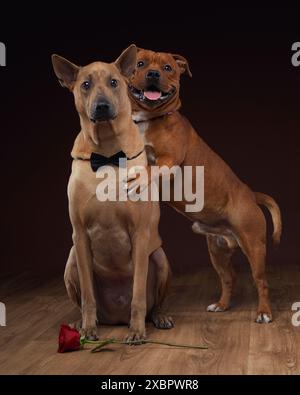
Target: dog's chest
(109,236)
(143,127)
(87,187)
(104,220)
(110,244)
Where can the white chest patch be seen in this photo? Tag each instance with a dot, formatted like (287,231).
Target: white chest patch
(139,116)
(143,126)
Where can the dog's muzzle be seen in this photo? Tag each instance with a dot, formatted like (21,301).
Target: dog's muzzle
(102,111)
(151,94)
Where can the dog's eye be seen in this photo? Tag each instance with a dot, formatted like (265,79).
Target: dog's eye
(168,67)
(86,85)
(114,83)
(140,63)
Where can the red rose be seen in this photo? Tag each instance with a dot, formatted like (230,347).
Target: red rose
(69,339)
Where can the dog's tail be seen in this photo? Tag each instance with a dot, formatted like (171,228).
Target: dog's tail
(274,209)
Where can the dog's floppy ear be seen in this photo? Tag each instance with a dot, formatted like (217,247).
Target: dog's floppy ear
(183,64)
(65,71)
(126,62)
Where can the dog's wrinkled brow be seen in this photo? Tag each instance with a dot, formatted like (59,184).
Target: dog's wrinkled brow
(156,57)
(96,71)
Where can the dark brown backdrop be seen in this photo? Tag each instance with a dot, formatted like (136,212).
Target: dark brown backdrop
(243,99)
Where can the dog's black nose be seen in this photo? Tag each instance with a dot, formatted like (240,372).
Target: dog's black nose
(102,111)
(153,75)
(102,108)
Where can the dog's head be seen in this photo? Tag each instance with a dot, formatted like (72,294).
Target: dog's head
(100,89)
(156,81)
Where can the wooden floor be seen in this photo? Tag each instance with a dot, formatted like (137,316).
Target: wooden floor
(236,344)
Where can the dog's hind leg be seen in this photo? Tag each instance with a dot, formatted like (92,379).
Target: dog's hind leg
(220,254)
(253,245)
(162,280)
(72,284)
(256,253)
(250,228)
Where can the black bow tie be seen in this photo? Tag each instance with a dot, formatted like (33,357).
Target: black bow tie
(98,160)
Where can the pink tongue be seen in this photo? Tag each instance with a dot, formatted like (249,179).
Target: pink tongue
(152,95)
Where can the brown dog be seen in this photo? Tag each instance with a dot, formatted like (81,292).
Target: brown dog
(106,273)
(231,216)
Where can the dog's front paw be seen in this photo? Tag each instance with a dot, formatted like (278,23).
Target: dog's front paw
(90,332)
(135,336)
(263,318)
(162,320)
(216,307)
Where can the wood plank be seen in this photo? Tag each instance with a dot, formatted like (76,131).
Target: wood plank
(237,345)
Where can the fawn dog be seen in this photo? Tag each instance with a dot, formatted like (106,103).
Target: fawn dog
(107,272)
(231,216)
